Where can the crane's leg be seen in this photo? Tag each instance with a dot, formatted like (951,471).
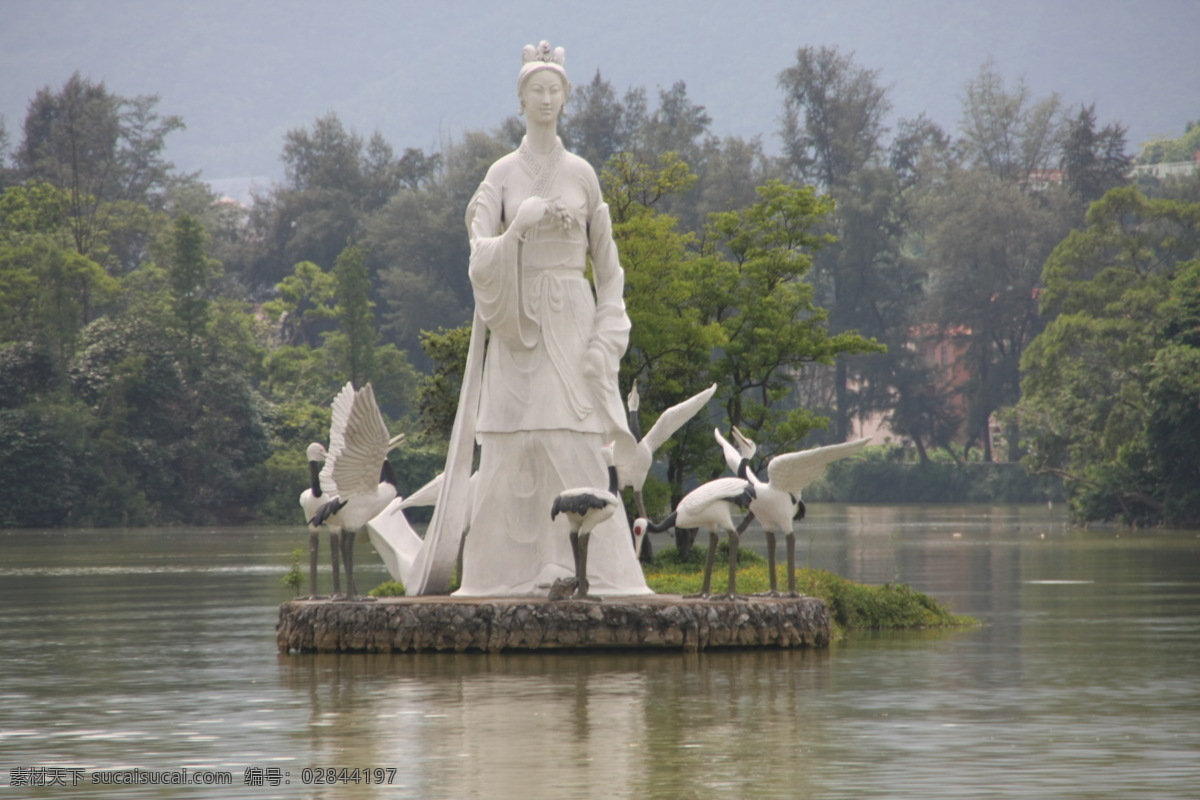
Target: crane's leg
(647,553)
(706,590)
(348,538)
(581,580)
(791,564)
(731,592)
(348,562)
(335,556)
(314,541)
(771,564)
(575,555)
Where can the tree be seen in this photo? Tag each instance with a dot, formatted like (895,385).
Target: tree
(1108,396)
(48,291)
(439,390)
(304,305)
(833,115)
(1181,148)
(727,176)
(1006,131)
(990,212)
(356,319)
(671,341)
(418,247)
(833,135)
(772,325)
(334,180)
(986,241)
(143,175)
(728,307)
(599,125)
(1094,160)
(677,126)
(415,170)
(98,147)
(35,459)
(190,273)
(7,173)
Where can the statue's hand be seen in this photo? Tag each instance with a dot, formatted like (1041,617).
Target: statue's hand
(593,368)
(531,211)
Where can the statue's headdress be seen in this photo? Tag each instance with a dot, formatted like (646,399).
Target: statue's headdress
(541,57)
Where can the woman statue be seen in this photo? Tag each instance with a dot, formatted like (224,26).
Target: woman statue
(543,399)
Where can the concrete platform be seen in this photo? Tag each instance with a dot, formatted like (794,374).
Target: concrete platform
(495,624)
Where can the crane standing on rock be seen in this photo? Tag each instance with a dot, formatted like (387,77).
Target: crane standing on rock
(586,508)
(316,496)
(311,500)
(357,476)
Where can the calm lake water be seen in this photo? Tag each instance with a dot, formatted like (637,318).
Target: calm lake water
(154,651)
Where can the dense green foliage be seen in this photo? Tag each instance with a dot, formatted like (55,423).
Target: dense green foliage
(166,355)
(1110,392)
(729,306)
(887,475)
(1181,148)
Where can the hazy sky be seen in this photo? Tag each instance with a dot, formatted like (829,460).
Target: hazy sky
(243,72)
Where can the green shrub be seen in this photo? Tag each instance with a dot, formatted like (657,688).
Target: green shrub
(294,578)
(388,589)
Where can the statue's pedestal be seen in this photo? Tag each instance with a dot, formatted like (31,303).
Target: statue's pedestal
(494,624)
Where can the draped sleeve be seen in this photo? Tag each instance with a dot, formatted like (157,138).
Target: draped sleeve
(494,268)
(610,326)
(610,329)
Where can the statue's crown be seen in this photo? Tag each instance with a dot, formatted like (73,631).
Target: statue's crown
(544,54)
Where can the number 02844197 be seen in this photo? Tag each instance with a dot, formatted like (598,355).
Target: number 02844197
(327,776)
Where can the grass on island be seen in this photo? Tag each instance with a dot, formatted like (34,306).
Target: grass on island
(852,606)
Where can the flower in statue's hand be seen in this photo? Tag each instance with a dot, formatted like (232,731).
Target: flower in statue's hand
(564,217)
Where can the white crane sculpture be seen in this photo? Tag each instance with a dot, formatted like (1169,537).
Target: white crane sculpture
(357,476)
(311,500)
(634,473)
(585,508)
(709,506)
(777,503)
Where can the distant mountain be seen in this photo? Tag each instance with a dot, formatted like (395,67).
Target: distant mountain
(241,74)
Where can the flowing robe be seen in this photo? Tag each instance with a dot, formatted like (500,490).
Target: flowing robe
(541,417)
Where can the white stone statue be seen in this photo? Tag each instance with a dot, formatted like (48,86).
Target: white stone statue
(543,399)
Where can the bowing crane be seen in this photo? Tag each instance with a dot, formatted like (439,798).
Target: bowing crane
(709,506)
(777,503)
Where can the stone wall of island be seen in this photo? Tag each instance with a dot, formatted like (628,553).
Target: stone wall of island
(667,622)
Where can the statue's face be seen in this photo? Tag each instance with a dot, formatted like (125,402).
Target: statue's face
(543,96)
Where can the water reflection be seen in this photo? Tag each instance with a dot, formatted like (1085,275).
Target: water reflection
(611,725)
(155,649)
